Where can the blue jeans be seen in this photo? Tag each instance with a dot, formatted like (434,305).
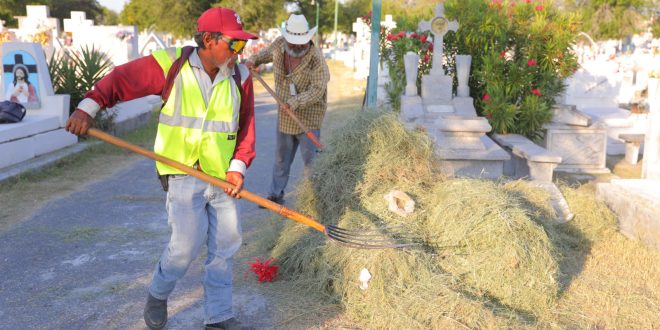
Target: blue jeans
(285,152)
(200,213)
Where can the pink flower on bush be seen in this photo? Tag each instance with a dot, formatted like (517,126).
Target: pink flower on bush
(531,62)
(391,37)
(539,7)
(536,92)
(485,98)
(502,53)
(423,38)
(402,34)
(528,1)
(413,35)
(430,47)
(489,115)
(426,58)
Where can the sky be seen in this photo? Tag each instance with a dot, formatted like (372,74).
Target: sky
(115,5)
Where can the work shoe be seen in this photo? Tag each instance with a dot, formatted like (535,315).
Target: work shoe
(231,324)
(155,313)
(277,199)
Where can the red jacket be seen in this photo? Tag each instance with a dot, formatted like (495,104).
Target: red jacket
(144,76)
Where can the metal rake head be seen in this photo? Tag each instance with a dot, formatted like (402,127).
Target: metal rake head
(377,238)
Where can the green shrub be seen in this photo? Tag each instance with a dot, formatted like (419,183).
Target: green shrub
(521,53)
(76,72)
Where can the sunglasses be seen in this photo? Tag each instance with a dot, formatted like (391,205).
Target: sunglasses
(235,45)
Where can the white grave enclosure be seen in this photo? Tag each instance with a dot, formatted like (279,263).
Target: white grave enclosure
(41,131)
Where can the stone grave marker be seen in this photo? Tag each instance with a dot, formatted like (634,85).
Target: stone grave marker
(361,48)
(436,86)
(41,131)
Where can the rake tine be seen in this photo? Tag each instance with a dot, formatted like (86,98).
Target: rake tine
(368,232)
(368,245)
(371,238)
(349,238)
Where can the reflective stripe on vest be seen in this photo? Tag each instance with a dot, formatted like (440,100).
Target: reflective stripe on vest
(189,131)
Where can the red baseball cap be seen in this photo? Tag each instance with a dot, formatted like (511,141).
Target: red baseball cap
(225,21)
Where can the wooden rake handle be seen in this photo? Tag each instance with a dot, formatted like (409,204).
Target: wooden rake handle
(277,208)
(288,111)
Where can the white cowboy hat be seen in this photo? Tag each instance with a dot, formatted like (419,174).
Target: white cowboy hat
(297,31)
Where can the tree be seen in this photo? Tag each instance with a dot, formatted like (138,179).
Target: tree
(173,16)
(142,13)
(258,15)
(107,17)
(612,19)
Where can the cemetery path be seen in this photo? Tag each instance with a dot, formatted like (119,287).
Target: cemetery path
(84,261)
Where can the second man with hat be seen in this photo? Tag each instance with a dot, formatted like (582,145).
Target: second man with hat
(301,82)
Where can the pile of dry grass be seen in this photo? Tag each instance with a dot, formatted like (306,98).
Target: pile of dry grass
(488,258)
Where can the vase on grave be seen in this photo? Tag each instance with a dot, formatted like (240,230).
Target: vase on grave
(463,74)
(411,64)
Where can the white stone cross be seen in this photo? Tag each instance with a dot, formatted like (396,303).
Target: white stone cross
(388,23)
(37,18)
(439,26)
(77,21)
(361,29)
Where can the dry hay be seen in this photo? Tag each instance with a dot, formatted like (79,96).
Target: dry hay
(489,256)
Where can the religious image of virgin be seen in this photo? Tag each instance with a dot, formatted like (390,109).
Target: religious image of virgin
(21,90)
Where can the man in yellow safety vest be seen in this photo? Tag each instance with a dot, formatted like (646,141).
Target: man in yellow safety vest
(207,122)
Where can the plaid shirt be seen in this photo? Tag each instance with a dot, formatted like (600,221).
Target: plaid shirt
(310,77)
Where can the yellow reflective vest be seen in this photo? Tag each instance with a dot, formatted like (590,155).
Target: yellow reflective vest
(190,131)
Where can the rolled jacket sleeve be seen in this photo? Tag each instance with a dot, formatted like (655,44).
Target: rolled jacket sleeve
(126,82)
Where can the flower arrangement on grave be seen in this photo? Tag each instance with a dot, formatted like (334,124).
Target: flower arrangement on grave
(5,36)
(42,36)
(121,35)
(393,48)
(521,53)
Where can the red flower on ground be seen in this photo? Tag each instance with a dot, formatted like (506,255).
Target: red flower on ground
(536,92)
(485,98)
(264,270)
(423,38)
(538,7)
(531,62)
